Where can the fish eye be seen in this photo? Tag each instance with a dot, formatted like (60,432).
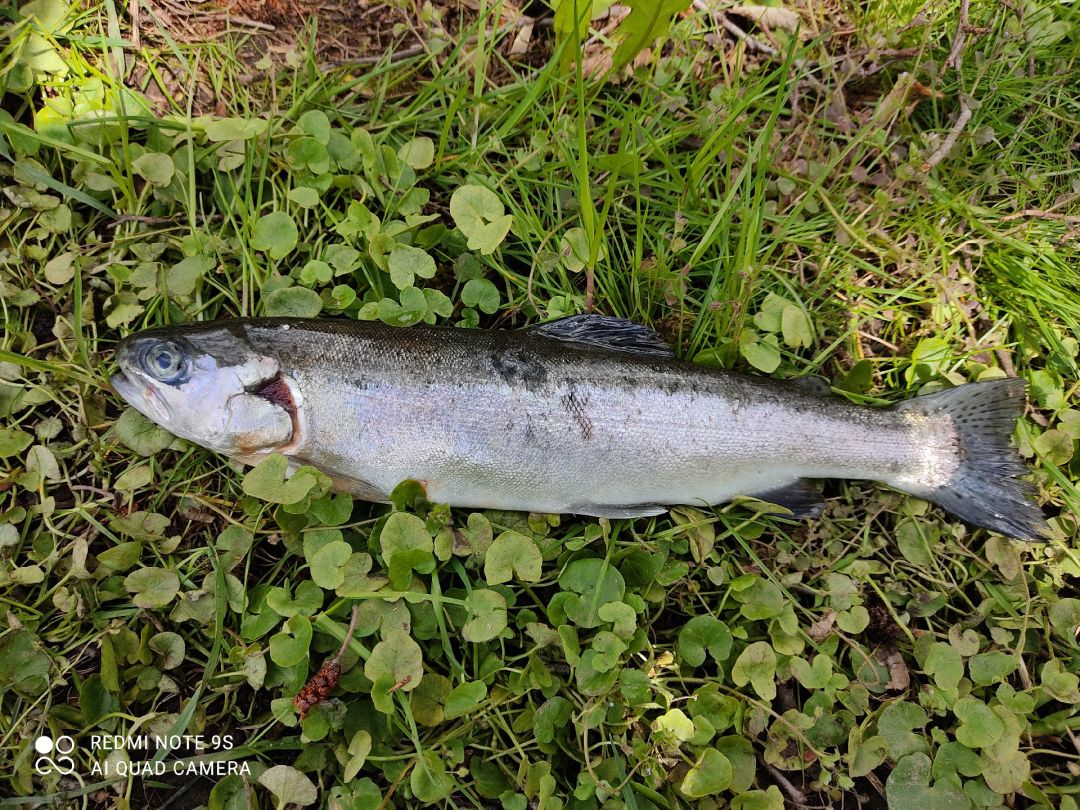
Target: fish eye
(165,362)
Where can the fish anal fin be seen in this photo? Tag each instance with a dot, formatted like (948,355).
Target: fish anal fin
(813,384)
(631,511)
(604,332)
(802,497)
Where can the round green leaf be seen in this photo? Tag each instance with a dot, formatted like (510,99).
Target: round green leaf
(183,275)
(152,587)
(308,599)
(171,648)
(407,545)
(233,544)
(304,197)
(574,249)
(979,726)
(155,168)
(553,714)
(674,724)
(1055,446)
(711,774)
(309,155)
(986,668)
(769,799)
(139,434)
(289,786)
(359,748)
(407,262)
(234,129)
(412,309)
(266,480)
(594,583)
(429,780)
(464,698)
(292,302)
(418,153)
(275,234)
(756,665)
(316,124)
(703,633)
(764,354)
(908,787)
(482,294)
(895,727)
(13,441)
(327,564)
(512,552)
(60,269)
(945,664)
(486,615)
(24,666)
(796,327)
(478,213)
(316,272)
(290,646)
(394,662)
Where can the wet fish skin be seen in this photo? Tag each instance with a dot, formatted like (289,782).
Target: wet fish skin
(591,417)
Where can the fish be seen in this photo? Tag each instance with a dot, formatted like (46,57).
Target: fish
(589,414)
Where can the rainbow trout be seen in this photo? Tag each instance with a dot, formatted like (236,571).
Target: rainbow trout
(589,414)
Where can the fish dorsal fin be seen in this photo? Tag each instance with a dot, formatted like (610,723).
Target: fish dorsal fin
(604,332)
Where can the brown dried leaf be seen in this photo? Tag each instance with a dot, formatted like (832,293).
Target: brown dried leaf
(899,677)
(820,629)
(520,45)
(597,61)
(768,16)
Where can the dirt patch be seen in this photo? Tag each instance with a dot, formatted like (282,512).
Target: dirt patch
(268,34)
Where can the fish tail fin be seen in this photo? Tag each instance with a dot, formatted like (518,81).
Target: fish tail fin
(985,489)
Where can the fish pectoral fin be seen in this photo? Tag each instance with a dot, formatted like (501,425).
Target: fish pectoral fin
(604,332)
(339,482)
(802,497)
(633,511)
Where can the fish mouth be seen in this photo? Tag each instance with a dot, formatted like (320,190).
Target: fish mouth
(142,398)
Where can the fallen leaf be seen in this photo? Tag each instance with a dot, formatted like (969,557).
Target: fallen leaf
(520,45)
(820,629)
(899,677)
(768,16)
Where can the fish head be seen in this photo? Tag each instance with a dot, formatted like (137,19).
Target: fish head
(207,384)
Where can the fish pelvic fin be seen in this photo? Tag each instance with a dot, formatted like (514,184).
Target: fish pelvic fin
(985,488)
(619,511)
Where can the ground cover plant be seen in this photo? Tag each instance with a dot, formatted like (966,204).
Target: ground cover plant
(883,194)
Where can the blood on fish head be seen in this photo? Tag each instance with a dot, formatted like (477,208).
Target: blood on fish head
(209,386)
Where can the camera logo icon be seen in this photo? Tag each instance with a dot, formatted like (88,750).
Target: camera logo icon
(61,763)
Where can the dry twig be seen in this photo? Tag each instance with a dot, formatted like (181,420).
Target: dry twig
(1041,214)
(953,60)
(950,139)
(963,28)
(796,796)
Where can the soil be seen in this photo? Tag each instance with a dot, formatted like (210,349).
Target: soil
(268,32)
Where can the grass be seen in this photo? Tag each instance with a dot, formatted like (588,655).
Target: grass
(882,652)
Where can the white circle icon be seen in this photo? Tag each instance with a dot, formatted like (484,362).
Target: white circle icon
(43,744)
(64,744)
